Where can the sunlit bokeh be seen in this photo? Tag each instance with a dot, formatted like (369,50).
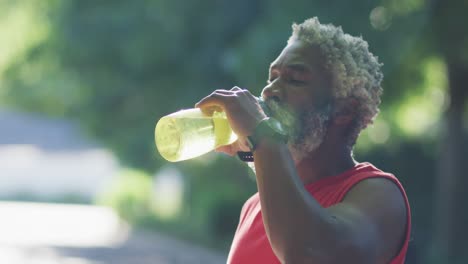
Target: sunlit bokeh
(379,132)
(83,82)
(421,111)
(168,192)
(404,7)
(30,231)
(21,27)
(58,173)
(36,224)
(380,18)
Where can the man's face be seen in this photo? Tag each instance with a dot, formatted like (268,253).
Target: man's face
(297,95)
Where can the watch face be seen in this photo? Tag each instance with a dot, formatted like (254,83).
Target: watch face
(268,127)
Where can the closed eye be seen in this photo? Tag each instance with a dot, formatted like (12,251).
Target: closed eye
(296,82)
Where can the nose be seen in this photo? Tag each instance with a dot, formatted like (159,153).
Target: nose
(272,91)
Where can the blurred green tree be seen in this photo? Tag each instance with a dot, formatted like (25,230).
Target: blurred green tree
(450,36)
(118,66)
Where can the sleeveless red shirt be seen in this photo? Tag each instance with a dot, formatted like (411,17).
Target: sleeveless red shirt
(250,243)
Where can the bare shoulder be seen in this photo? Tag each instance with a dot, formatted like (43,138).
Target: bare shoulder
(382,203)
(379,196)
(380,188)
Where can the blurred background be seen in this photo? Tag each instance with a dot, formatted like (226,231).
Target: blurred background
(82,84)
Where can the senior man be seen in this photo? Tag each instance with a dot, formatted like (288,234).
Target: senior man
(315,203)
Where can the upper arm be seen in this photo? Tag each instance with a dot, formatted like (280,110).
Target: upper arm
(373,213)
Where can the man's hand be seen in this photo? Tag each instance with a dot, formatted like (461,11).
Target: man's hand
(241,107)
(233,148)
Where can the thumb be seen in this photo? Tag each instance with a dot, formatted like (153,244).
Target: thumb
(228,149)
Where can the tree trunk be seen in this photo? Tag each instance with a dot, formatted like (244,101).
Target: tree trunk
(451,217)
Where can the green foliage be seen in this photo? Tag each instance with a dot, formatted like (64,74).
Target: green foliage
(130,195)
(218,186)
(212,202)
(118,66)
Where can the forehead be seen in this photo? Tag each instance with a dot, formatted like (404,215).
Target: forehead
(300,56)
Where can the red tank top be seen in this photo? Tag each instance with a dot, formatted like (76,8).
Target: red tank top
(250,243)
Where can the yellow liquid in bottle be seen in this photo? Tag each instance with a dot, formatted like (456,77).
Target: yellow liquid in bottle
(188,133)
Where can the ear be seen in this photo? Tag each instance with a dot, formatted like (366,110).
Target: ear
(344,111)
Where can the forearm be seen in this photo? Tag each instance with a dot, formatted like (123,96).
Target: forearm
(296,225)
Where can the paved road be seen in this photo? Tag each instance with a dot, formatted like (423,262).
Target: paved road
(145,249)
(49,157)
(140,249)
(34,233)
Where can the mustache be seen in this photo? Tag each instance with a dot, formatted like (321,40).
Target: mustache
(279,110)
(271,106)
(264,104)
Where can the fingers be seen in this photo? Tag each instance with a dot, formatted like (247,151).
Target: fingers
(233,148)
(239,91)
(228,149)
(235,88)
(222,92)
(210,104)
(213,102)
(217,100)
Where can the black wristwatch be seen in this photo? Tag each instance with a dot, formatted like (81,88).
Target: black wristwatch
(270,128)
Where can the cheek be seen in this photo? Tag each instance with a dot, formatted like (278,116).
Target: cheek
(300,103)
(304,102)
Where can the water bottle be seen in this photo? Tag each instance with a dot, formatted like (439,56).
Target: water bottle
(189,133)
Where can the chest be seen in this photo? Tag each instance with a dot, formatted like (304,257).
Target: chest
(251,244)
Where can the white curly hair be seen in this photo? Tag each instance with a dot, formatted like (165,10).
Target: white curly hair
(355,71)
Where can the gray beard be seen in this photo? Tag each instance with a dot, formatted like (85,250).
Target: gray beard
(306,129)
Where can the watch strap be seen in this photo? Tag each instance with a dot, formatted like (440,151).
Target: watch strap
(268,127)
(246,156)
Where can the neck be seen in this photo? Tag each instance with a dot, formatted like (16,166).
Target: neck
(330,158)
